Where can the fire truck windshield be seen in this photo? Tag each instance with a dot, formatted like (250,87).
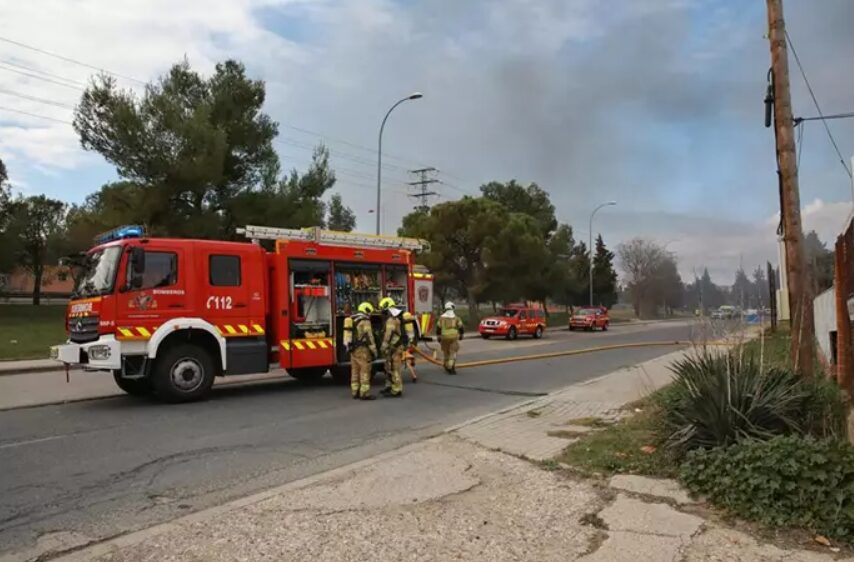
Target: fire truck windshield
(99,273)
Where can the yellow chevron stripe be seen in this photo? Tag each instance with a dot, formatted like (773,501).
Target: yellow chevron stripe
(143,332)
(297,344)
(285,345)
(330,342)
(322,344)
(230,329)
(218,329)
(125,332)
(310,344)
(258,329)
(244,328)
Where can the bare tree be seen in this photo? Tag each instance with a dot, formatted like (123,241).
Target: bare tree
(652,278)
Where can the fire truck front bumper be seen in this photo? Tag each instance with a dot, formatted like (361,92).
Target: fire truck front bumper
(105,353)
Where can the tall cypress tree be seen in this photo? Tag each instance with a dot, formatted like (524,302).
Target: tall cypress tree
(604,276)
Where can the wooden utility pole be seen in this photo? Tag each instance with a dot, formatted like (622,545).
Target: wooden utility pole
(800,297)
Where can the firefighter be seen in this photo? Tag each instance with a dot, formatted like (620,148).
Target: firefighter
(359,339)
(449,328)
(393,344)
(413,334)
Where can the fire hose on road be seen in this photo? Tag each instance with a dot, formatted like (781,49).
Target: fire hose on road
(536,356)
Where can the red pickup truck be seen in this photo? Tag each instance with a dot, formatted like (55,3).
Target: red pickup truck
(512,321)
(589,319)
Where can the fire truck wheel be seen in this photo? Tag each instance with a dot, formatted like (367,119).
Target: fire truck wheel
(308,375)
(183,373)
(511,335)
(134,387)
(538,333)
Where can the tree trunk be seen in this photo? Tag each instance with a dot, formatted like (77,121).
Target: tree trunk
(474,315)
(545,308)
(38,271)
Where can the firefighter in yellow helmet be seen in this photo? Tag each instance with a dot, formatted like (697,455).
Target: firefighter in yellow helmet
(397,337)
(359,339)
(449,328)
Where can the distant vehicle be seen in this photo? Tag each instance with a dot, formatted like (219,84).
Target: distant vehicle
(726,312)
(513,321)
(589,319)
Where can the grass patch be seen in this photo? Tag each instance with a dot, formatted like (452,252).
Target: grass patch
(27,331)
(567,434)
(618,315)
(589,422)
(775,351)
(619,448)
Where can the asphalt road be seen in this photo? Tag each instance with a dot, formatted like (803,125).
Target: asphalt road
(91,470)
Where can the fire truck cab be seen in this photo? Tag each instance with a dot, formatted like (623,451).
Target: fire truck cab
(166,316)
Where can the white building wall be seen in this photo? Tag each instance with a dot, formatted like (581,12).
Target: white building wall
(824,311)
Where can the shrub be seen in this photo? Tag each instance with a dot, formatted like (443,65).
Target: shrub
(823,414)
(717,399)
(786,481)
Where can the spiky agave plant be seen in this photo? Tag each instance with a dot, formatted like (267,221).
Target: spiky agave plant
(718,398)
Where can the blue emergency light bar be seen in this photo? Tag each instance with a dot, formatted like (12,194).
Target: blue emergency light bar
(127,231)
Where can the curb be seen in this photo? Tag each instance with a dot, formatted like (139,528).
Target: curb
(224,384)
(35,369)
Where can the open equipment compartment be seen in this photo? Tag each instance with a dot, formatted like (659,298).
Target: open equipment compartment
(356,283)
(396,284)
(310,340)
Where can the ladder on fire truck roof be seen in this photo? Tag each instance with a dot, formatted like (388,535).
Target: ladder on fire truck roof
(334,238)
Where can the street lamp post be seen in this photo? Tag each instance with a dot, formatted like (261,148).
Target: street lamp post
(590,247)
(412,96)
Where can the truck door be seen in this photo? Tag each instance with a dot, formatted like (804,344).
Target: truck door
(231,295)
(231,299)
(154,295)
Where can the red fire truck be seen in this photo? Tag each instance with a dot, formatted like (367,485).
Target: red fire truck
(166,316)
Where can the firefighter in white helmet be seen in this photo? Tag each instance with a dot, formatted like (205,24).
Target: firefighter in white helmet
(449,328)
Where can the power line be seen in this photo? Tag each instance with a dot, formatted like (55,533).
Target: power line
(37,77)
(456,187)
(799,120)
(335,152)
(817,106)
(34,115)
(35,99)
(69,59)
(801,130)
(335,155)
(43,72)
(354,145)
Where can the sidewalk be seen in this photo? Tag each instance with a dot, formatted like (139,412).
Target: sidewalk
(31,389)
(458,497)
(21,367)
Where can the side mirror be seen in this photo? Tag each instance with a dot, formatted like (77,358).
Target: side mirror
(137,261)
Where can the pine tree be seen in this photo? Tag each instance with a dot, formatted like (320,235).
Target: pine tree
(340,217)
(604,276)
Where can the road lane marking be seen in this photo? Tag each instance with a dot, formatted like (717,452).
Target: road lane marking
(31,441)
